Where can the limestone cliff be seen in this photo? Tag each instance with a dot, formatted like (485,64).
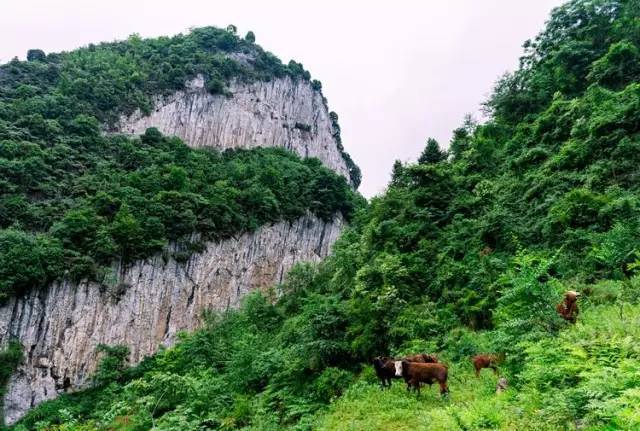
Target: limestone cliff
(152,300)
(60,327)
(280,113)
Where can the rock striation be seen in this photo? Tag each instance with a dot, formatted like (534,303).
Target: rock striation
(282,112)
(149,304)
(152,300)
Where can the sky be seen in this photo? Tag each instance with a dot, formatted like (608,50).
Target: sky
(396,72)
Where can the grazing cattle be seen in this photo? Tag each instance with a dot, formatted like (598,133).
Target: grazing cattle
(385,370)
(568,308)
(385,366)
(415,373)
(485,361)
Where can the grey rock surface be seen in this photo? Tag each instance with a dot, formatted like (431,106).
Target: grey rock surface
(280,113)
(60,327)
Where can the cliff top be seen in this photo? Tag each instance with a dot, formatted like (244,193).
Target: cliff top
(113,78)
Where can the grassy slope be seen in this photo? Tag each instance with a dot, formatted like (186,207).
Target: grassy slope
(599,350)
(586,378)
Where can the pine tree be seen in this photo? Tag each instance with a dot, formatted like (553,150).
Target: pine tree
(431,153)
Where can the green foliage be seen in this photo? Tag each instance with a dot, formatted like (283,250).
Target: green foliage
(619,66)
(125,199)
(526,307)
(27,260)
(594,371)
(36,55)
(115,78)
(432,153)
(73,200)
(459,256)
(112,364)
(10,357)
(354,171)
(587,375)
(560,59)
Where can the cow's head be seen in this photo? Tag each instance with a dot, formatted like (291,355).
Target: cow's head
(398,365)
(571,296)
(377,362)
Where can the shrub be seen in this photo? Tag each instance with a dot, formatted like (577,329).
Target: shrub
(112,364)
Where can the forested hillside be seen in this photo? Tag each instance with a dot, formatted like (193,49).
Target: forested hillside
(467,251)
(73,200)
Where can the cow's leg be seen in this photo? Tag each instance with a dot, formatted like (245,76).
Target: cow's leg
(477,372)
(495,369)
(444,390)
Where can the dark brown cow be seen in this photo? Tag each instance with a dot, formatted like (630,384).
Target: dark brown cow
(415,373)
(485,361)
(385,370)
(568,308)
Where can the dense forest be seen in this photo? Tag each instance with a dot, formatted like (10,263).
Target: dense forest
(467,251)
(73,200)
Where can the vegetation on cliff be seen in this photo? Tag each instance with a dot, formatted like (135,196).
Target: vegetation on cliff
(466,252)
(105,81)
(73,200)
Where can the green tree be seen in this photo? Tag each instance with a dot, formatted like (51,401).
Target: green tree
(36,55)
(432,153)
(112,364)
(618,67)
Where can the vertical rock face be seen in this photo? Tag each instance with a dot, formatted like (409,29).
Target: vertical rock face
(61,326)
(280,113)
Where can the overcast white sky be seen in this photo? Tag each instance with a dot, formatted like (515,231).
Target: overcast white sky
(396,72)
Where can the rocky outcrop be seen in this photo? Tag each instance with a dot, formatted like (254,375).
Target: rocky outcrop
(151,301)
(280,113)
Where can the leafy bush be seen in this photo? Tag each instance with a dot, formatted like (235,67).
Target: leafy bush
(112,364)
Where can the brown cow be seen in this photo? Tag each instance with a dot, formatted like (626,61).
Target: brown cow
(415,373)
(421,357)
(385,366)
(568,308)
(485,361)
